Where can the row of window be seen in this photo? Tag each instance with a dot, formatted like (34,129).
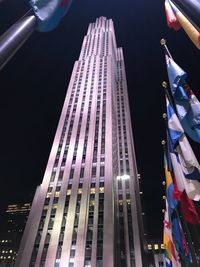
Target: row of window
(92,43)
(123,186)
(78,202)
(57,192)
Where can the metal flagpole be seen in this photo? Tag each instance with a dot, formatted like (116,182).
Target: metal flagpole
(15,36)
(163,43)
(190,9)
(164,83)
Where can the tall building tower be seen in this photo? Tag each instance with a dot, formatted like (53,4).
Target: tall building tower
(86,212)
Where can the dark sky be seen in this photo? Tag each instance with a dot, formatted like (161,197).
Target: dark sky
(33,87)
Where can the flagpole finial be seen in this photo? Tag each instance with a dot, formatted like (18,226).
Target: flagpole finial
(163,183)
(164,84)
(164,115)
(163,142)
(163,41)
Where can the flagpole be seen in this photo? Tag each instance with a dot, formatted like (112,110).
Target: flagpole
(164,85)
(15,37)
(163,43)
(190,9)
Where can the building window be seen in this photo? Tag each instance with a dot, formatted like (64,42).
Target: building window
(82,172)
(53,176)
(102,171)
(93,171)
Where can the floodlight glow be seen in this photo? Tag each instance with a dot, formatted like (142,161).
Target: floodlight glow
(123,177)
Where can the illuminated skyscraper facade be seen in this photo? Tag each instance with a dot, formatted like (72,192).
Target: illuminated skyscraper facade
(86,212)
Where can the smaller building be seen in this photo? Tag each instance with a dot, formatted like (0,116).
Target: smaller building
(11,231)
(155,252)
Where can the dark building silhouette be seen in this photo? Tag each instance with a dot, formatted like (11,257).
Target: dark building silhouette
(12,227)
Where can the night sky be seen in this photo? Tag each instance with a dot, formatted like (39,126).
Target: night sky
(33,87)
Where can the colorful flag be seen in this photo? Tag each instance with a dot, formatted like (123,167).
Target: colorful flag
(171,256)
(188,27)
(187,105)
(191,187)
(173,222)
(169,187)
(187,206)
(188,161)
(172,20)
(49,12)
(177,232)
(173,195)
(183,159)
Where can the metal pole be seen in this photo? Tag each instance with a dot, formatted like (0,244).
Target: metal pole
(15,37)
(190,9)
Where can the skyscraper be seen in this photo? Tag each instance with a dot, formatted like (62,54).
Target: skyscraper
(87,211)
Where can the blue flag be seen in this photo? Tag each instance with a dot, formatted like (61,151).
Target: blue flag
(181,146)
(49,12)
(174,127)
(187,105)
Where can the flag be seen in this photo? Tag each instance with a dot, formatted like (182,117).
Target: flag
(172,20)
(179,239)
(169,187)
(188,161)
(171,207)
(171,257)
(191,9)
(188,209)
(49,12)
(185,166)
(173,222)
(182,191)
(173,195)
(191,187)
(187,105)
(187,26)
